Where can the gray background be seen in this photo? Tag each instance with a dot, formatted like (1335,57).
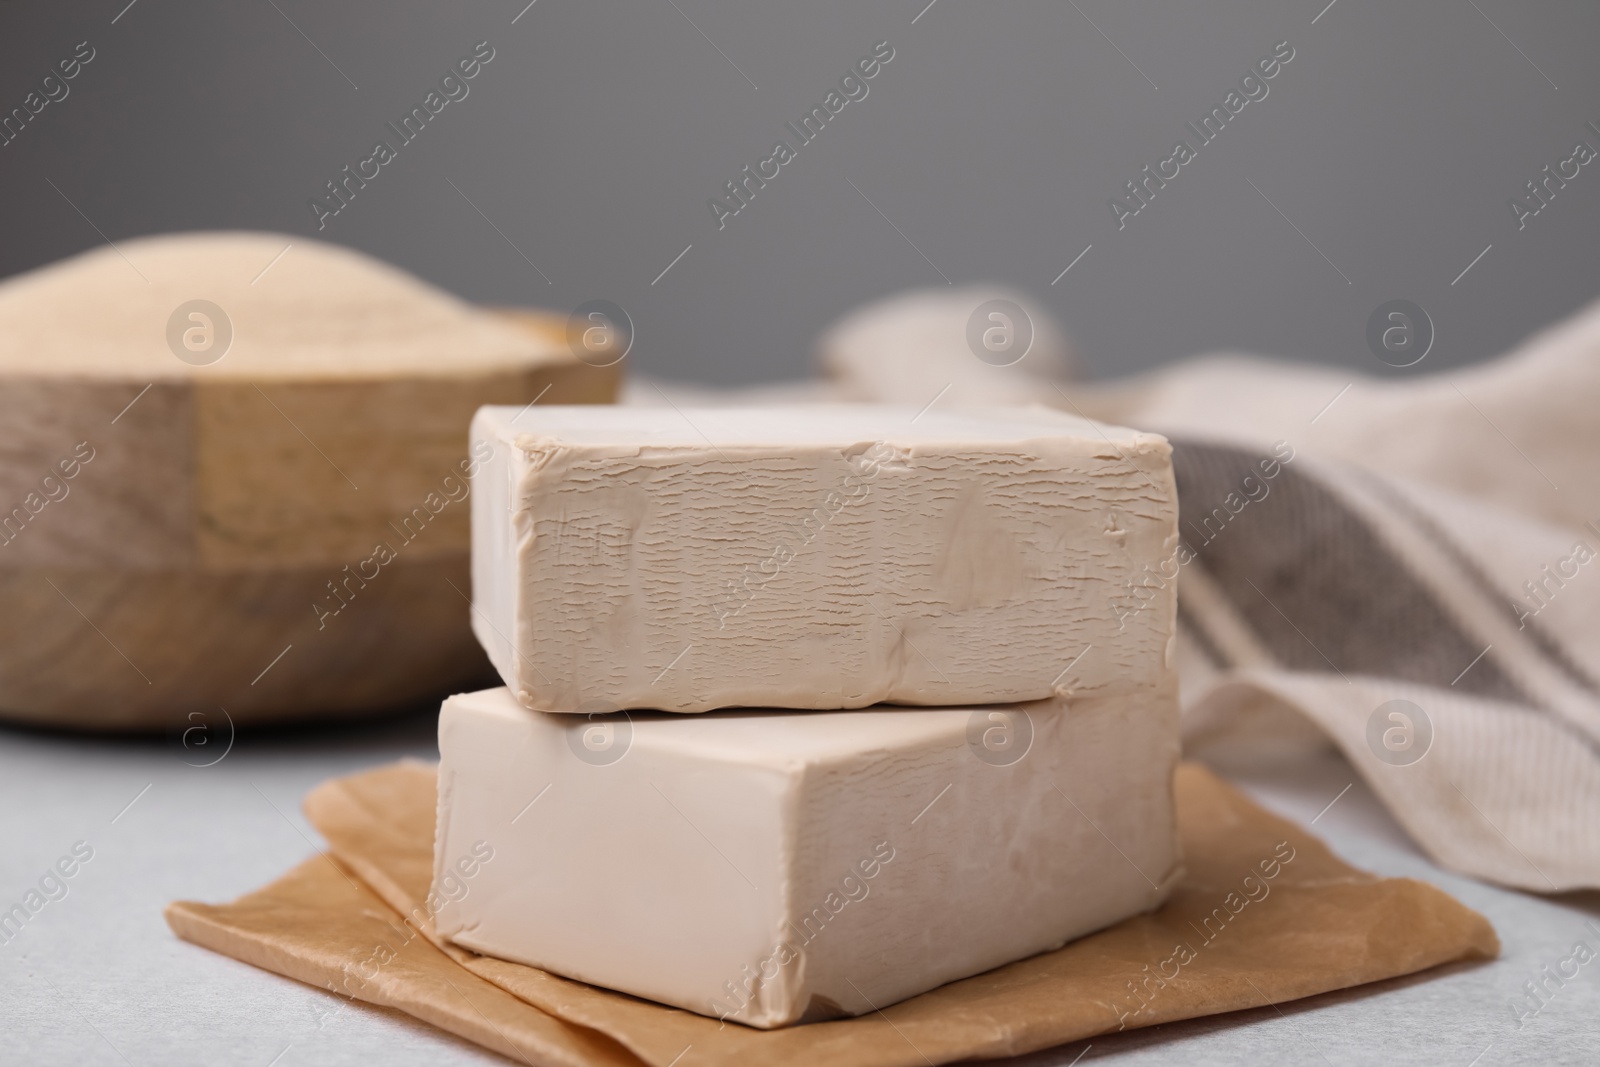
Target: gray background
(993,141)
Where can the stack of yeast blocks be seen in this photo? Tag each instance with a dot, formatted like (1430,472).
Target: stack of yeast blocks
(948,718)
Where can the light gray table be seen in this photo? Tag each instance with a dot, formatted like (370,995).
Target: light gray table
(96,978)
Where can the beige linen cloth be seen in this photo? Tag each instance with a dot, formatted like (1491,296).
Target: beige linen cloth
(1351,542)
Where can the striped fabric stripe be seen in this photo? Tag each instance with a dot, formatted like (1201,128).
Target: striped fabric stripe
(1315,582)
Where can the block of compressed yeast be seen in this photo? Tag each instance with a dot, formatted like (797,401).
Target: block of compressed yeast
(779,867)
(216,446)
(818,557)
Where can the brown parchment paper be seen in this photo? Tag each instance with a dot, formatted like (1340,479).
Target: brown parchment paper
(1232,936)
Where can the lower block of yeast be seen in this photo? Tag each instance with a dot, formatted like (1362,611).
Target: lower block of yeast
(778,867)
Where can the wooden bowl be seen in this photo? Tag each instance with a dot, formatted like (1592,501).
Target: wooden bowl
(253,506)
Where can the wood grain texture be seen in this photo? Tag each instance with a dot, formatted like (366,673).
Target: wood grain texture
(166,529)
(135,650)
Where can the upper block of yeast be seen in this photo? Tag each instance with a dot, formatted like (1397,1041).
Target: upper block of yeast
(775,867)
(818,557)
